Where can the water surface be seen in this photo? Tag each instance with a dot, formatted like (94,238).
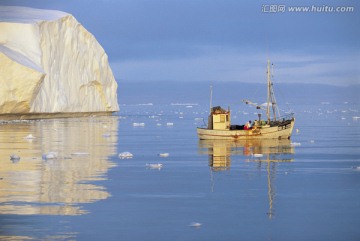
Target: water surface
(307,188)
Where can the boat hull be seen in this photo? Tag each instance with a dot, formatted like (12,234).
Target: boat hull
(267,132)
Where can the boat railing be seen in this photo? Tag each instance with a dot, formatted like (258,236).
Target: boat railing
(282,120)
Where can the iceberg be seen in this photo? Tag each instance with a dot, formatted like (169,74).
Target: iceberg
(50,64)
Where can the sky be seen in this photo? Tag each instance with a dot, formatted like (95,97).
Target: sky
(221,40)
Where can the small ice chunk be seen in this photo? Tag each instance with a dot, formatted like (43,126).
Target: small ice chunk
(79,153)
(125,155)
(312,141)
(138,124)
(164,154)
(357,168)
(295,144)
(14,158)
(49,156)
(158,124)
(297,130)
(195,225)
(154,165)
(257,155)
(169,124)
(29,137)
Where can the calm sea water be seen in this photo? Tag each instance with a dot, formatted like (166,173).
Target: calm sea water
(307,188)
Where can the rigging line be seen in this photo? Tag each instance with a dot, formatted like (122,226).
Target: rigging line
(283,100)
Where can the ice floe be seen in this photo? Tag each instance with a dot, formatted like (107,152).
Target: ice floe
(125,155)
(257,155)
(195,225)
(169,124)
(154,165)
(50,155)
(80,153)
(163,154)
(295,144)
(29,137)
(135,124)
(14,158)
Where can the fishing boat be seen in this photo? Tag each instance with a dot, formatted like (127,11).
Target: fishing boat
(274,126)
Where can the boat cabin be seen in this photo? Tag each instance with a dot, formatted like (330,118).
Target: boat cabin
(219,119)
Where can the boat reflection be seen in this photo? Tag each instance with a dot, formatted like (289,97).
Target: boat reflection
(267,153)
(34,185)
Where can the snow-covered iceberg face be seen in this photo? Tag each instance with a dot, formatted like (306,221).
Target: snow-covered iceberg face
(51,64)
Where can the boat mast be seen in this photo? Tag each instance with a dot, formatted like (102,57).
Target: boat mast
(268,91)
(271,96)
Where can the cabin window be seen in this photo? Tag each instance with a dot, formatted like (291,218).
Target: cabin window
(222,118)
(227,118)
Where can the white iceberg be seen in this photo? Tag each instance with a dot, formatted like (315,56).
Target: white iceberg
(50,64)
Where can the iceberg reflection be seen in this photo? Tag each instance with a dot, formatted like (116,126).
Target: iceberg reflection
(56,186)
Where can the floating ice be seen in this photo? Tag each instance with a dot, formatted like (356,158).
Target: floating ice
(29,137)
(158,124)
(297,130)
(356,117)
(125,155)
(154,165)
(14,157)
(195,225)
(80,153)
(257,155)
(169,124)
(164,154)
(50,155)
(312,141)
(295,144)
(138,124)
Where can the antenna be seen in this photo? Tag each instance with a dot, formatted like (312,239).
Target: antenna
(210,98)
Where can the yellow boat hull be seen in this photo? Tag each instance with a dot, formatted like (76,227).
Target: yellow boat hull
(263,132)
